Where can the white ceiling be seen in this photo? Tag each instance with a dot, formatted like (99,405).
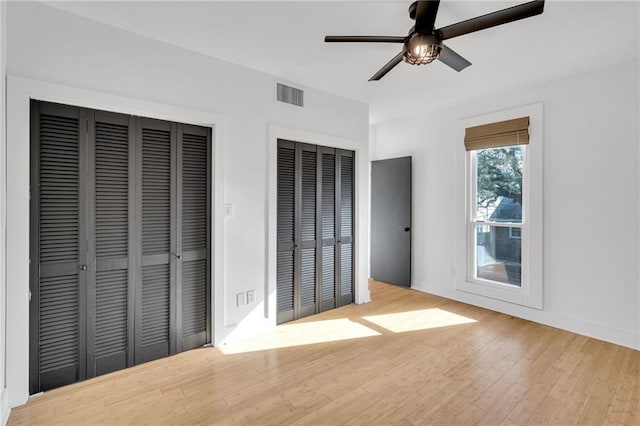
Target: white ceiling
(285,39)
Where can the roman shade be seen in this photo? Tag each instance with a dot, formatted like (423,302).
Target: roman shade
(494,135)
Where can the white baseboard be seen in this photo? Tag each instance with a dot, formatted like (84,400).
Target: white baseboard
(4,407)
(607,333)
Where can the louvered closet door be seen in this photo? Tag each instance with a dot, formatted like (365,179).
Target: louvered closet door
(120,242)
(110,298)
(58,233)
(345,226)
(306,194)
(286,230)
(315,229)
(193,236)
(156,292)
(328,228)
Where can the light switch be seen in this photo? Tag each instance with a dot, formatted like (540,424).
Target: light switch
(251,296)
(228,210)
(240,299)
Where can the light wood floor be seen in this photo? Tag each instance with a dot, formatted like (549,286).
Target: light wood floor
(406,358)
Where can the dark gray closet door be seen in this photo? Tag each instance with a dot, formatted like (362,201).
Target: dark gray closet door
(193,211)
(120,242)
(315,229)
(306,193)
(286,230)
(328,228)
(345,228)
(156,292)
(110,217)
(58,250)
(297,259)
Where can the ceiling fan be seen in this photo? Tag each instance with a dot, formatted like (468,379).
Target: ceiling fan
(424,44)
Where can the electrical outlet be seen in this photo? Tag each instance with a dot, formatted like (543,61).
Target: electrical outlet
(251,296)
(240,299)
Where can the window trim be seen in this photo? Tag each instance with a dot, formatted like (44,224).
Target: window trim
(530,293)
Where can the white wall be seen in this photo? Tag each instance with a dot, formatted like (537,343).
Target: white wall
(4,409)
(591,211)
(104,66)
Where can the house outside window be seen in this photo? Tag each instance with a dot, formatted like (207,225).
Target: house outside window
(515,233)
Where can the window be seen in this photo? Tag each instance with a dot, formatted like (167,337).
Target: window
(499,235)
(497,206)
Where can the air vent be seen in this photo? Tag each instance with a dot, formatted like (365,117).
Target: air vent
(289,95)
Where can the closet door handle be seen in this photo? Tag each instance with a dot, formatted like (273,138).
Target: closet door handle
(83,267)
(179,257)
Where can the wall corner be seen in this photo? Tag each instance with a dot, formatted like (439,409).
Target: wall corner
(4,407)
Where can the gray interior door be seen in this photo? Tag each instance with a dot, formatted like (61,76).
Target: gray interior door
(391,221)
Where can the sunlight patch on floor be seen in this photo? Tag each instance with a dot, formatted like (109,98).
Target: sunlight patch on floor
(307,333)
(423,319)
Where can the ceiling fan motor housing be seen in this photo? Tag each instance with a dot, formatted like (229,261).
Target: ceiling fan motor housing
(422,49)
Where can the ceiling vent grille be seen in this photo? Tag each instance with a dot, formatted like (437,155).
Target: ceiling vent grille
(289,95)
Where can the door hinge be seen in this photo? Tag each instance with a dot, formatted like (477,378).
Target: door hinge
(29,295)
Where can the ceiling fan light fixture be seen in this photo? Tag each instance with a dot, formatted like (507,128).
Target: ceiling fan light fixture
(422,49)
(423,44)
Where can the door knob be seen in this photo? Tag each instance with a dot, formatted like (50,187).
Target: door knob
(407,229)
(83,267)
(179,257)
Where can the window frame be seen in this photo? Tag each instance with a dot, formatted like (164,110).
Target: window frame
(530,293)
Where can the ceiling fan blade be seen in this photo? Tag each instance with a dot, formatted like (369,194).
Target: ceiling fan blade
(489,20)
(364,39)
(388,67)
(426,12)
(449,57)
